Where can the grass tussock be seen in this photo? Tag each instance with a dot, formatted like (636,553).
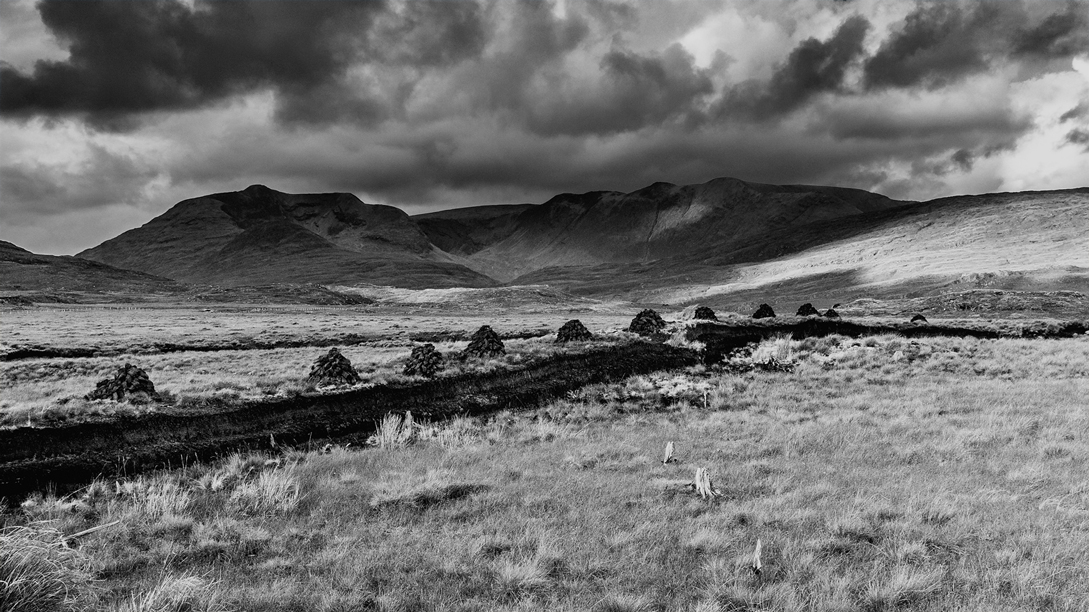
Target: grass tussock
(40,573)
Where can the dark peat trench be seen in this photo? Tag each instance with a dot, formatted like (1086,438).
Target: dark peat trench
(67,456)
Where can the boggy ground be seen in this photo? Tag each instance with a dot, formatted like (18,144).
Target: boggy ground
(882,473)
(234,352)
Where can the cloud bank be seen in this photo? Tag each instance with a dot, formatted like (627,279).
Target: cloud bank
(113,110)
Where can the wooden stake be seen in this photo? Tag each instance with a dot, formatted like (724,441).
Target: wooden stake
(757,566)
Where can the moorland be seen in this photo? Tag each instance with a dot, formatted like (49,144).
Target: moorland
(875,473)
(854,460)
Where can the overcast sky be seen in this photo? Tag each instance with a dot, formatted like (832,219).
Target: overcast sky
(112,111)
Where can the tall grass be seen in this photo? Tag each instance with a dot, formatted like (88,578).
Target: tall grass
(40,573)
(948,477)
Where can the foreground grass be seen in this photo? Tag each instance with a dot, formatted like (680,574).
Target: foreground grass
(882,474)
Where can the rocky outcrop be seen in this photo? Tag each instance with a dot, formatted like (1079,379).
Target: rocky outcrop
(918,319)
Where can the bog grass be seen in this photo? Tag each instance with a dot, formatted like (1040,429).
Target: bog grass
(881,474)
(41,390)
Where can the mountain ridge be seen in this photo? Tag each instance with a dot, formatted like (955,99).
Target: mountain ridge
(260,235)
(662,242)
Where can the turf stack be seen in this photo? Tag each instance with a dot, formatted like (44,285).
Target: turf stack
(484,343)
(703,313)
(128,380)
(807,310)
(333,369)
(647,323)
(573,331)
(424,361)
(831,313)
(764,312)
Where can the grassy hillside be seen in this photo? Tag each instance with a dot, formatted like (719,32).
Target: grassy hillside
(657,222)
(23,271)
(1016,241)
(260,236)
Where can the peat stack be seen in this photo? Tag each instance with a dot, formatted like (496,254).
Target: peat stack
(647,323)
(807,310)
(334,369)
(484,343)
(918,319)
(703,313)
(573,331)
(831,313)
(764,312)
(128,380)
(424,361)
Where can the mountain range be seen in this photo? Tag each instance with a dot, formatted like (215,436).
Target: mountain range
(664,243)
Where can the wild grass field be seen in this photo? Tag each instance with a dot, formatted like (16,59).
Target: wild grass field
(881,474)
(38,391)
(136,330)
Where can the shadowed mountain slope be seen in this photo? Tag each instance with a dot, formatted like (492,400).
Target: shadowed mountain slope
(21,270)
(1030,241)
(259,236)
(658,222)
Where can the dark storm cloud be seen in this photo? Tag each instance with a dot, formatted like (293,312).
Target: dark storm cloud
(942,42)
(634,91)
(938,42)
(129,58)
(1057,35)
(812,68)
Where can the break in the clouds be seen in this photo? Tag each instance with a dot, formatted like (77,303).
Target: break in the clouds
(112,110)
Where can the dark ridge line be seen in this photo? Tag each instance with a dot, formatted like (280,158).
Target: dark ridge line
(64,457)
(159,348)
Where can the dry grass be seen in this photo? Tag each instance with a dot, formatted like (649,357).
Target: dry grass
(38,390)
(39,573)
(879,475)
(138,330)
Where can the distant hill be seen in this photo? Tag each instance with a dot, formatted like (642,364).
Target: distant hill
(1029,241)
(658,222)
(23,271)
(722,242)
(259,236)
(1014,241)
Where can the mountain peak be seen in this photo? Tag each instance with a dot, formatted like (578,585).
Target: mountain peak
(260,235)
